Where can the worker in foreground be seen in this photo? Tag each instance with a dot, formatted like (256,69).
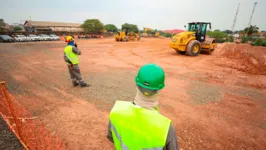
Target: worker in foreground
(71,53)
(138,125)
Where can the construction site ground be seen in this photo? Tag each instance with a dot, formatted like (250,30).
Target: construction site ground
(215,101)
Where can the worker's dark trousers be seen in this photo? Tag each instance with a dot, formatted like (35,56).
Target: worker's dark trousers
(75,74)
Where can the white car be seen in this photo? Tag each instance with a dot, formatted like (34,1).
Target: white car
(45,37)
(34,37)
(54,37)
(20,38)
(28,38)
(41,38)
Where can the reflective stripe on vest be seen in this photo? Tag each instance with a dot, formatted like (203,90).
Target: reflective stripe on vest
(136,128)
(70,55)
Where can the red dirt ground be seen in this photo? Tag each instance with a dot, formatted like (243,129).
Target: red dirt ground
(213,101)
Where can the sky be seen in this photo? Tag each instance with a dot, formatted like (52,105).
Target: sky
(156,14)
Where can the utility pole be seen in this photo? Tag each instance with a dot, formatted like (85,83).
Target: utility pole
(250,19)
(234,23)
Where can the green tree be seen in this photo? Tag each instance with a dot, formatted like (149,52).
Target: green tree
(235,32)
(228,31)
(230,38)
(93,26)
(244,39)
(2,25)
(251,30)
(111,28)
(218,35)
(130,28)
(166,34)
(18,28)
(259,42)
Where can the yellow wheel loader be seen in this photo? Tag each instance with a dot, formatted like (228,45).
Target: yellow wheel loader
(153,32)
(133,36)
(121,36)
(125,36)
(193,41)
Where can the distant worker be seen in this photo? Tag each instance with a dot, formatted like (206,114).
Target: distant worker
(138,125)
(71,53)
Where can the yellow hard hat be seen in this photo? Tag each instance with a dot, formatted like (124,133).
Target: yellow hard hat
(69,39)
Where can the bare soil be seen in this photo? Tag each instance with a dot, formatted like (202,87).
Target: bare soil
(212,104)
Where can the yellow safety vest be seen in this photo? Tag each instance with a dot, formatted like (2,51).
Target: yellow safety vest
(70,55)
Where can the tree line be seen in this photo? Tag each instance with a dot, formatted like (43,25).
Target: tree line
(248,35)
(96,26)
(3,26)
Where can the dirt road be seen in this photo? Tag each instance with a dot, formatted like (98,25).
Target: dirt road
(212,104)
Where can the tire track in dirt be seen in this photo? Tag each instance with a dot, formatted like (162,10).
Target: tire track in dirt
(111,52)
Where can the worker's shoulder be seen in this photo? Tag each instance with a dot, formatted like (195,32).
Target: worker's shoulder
(122,104)
(67,46)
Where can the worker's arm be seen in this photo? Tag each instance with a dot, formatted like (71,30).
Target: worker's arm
(109,133)
(66,59)
(171,142)
(76,50)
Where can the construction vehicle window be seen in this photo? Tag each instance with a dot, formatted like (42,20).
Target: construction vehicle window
(204,28)
(191,27)
(198,28)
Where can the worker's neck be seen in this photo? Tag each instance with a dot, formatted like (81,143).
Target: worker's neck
(150,102)
(71,43)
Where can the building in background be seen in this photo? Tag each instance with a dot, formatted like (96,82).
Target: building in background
(42,26)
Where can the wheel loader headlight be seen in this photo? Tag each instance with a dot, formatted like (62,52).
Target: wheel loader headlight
(174,40)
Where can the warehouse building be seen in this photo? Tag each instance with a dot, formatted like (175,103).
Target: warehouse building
(43,26)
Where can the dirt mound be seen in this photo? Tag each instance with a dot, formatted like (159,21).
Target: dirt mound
(246,58)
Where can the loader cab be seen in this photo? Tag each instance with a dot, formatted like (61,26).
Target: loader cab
(200,28)
(125,30)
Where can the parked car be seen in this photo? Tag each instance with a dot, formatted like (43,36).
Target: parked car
(6,38)
(41,38)
(34,37)
(28,38)
(45,37)
(54,37)
(20,38)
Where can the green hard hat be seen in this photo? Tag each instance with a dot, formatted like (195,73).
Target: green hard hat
(150,76)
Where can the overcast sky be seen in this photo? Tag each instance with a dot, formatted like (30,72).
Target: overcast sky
(157,14)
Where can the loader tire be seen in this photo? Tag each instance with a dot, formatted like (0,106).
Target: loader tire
(193,48)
